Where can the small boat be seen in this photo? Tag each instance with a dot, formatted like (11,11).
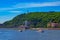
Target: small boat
(40,31)
(20,30)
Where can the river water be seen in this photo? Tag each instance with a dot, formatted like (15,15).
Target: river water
(7,34)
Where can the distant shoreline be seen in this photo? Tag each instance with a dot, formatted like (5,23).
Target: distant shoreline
(46,28)
(34,28)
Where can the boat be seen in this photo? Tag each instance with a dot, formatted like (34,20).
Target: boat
(40,31)
(20,30)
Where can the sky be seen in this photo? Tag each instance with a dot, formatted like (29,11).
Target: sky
(11,8)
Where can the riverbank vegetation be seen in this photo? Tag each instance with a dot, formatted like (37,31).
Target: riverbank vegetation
(35,19)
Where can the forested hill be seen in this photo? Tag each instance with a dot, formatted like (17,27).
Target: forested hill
(36,19)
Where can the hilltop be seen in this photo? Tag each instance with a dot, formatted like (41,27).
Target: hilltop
(36,19)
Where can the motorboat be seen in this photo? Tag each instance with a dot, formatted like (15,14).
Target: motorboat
(20,30)
(40,31)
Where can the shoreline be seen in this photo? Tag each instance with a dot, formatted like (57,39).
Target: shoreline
(34,28)
(46,28)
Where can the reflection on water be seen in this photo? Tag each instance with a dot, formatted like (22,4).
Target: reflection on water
(6,34)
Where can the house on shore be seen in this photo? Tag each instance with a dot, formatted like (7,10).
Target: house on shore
(53,25)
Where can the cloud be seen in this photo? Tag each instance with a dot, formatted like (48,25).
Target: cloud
(7,9)
(30,5)
(15,11)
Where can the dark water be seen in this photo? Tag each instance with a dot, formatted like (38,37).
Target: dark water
(6,34)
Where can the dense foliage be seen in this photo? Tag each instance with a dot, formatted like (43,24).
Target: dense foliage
(36,19)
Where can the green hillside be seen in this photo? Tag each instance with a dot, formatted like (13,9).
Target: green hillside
(36,19)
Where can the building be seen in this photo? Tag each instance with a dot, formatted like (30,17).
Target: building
(52,25)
